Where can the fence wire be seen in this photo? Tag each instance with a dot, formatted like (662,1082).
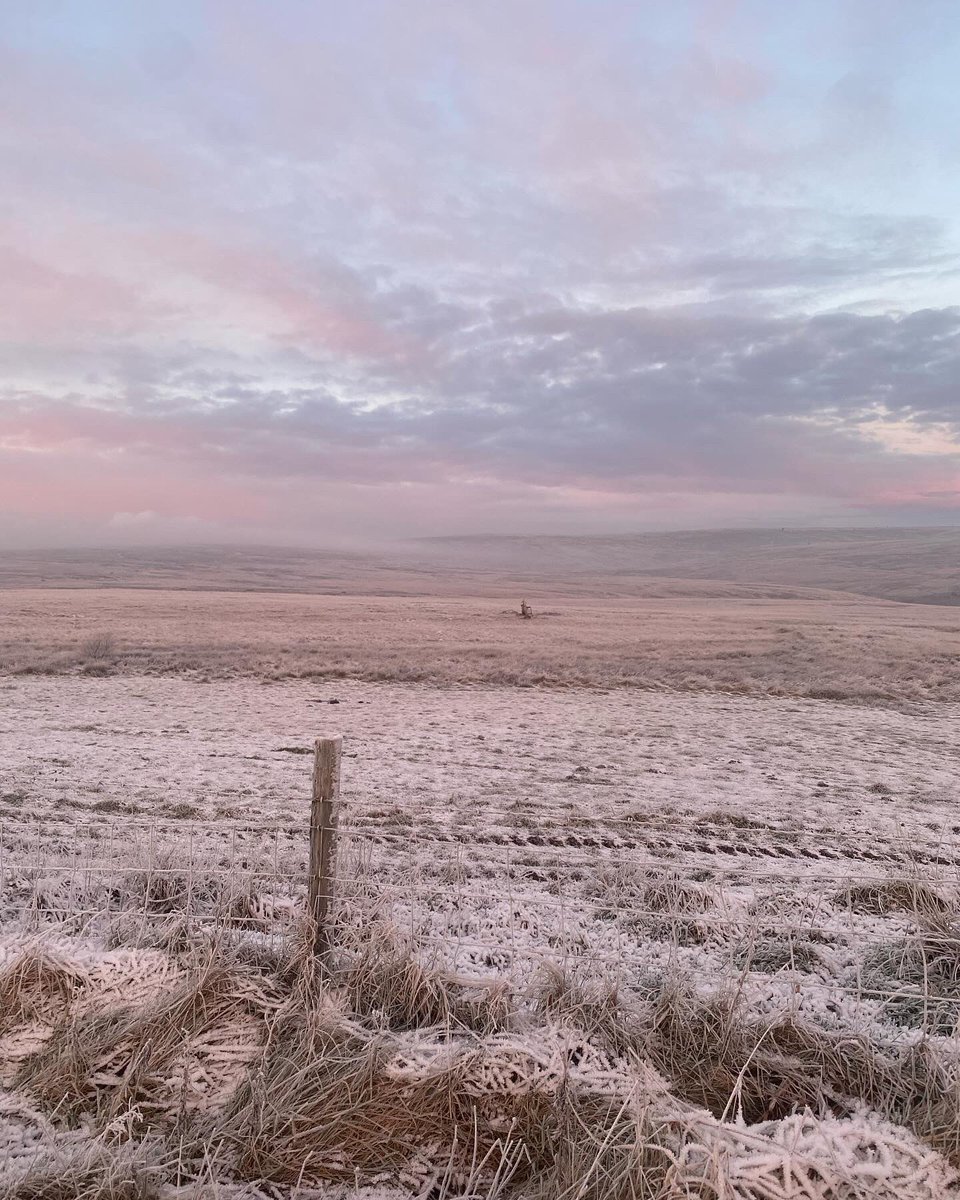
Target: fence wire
(878,930)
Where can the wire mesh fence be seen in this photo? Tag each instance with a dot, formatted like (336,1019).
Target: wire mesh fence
(769,967)
(817,915)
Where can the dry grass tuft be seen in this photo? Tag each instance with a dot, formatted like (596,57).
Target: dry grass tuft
(596,1149)
(385,981)
(105,1064)
(717,1061)
(660,904)
(322,1107)
(921,1090)
(769,953)
(895,895)
(595,1007)
(918,976)
(939,942)
(159,892)
(91,1172)
(35,986)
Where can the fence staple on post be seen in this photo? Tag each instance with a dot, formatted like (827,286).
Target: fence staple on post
(324,813)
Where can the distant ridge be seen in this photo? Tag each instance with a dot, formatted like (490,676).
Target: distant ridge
(909,565)
(912,565)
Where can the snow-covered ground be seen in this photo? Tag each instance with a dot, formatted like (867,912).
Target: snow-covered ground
(740,780)
(526,822)
(782,850)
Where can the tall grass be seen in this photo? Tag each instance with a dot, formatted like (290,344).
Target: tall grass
(267,1073)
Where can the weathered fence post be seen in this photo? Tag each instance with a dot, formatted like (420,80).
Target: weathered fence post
(324,812)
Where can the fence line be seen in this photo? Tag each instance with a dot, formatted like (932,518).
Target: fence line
(892,829)
(255,876)
(546,838)
(545,869)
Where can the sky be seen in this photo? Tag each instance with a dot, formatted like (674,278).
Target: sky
(317,273)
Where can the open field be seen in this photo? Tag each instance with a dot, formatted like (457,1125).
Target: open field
(688,935)
(647,897)
(842,647)
(478,761)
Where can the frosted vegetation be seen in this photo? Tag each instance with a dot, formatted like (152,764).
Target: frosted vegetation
(496,1024)
(844,648)
(682,921)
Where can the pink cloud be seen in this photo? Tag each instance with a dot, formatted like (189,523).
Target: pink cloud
(60,483)
(86,277)
(39,301)
(429,262)
(318,311)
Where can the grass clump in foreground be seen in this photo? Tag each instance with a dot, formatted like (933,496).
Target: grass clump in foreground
(238,1071)
(94,1171)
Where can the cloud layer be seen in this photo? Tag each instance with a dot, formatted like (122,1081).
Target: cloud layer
(287,271)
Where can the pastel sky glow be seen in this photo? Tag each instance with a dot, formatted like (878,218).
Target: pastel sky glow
(313,271)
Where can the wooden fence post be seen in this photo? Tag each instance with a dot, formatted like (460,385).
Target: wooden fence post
(324,813)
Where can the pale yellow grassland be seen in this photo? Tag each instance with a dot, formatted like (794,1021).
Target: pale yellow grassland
(843,648)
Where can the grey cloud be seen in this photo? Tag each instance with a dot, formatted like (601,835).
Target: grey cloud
(605,399)
(431,241)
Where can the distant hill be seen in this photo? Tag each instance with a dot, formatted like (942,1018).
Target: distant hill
(913,565)
(916,565)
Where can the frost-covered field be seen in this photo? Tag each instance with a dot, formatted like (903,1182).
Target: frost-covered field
(738,781)
(694,636)
(592,942)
